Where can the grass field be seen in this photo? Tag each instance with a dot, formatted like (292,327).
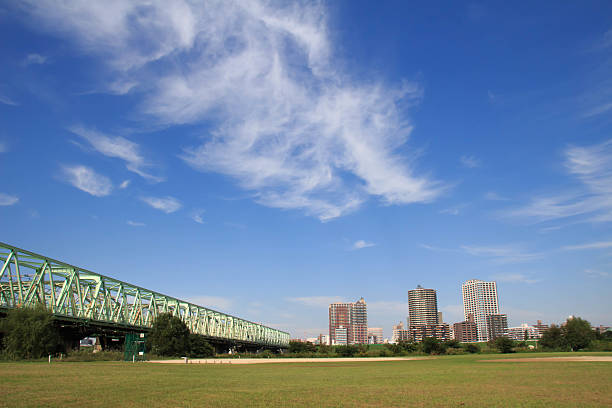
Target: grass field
(440,381)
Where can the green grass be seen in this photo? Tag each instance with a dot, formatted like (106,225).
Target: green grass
(440,381)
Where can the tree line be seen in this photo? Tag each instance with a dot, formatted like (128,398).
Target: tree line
(34,333)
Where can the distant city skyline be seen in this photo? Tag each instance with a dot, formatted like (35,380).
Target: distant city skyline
(266,159)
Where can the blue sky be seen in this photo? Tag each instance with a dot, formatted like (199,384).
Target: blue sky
(266,159)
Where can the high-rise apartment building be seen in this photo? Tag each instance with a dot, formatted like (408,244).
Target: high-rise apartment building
(352,321)
(422,307)
(480,301)
(424,319)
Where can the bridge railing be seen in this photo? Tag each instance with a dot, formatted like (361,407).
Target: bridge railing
(28,279)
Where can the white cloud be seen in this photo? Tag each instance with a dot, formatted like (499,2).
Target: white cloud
(7,101)
(362,244)
(117,147)
(3,147)
(598,110)
(493,196)
(197,216)
(596,274)
(166,204)
(455,210)
(450,211)
(470,161)
(514,278)
(135,223)
(282,119)
(34,59)
(591,166)
(499,253)
(7,199)
(317,301)
(502,254)
(124,184)
(437,249)
(86,179)
(591,245)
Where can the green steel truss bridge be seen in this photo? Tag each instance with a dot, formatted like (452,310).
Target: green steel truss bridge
(76,294)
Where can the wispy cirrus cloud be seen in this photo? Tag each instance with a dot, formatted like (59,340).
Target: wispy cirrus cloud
(590,245)
(34,59)
(282,119)
(502,254)
(8,199)
(135,223)
(86,179)
(493,196)
(166,204)
(360,244)
(598,110)
(7,101)
(597,273)
(590,201)
(117,147)
(196,215)
(124,184)
(470,162)
(497,253)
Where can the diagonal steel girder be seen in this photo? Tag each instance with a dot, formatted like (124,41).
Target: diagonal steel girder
(28,279)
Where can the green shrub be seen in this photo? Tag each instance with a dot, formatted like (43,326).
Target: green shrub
(89,355)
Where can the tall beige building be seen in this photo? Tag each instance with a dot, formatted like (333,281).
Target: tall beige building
(480,301)
(422,307)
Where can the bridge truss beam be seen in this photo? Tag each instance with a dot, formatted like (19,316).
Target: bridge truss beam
(28,279)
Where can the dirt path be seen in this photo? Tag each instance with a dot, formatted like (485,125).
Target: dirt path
(281,360)
(550,359)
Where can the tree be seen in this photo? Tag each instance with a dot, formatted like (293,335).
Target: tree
(301,347)
(553,339)
(577,333)
(504,344)
(199,347)
(431,345)
(169,336)
(347,351)
(30,333)
(408,346)
(472,348)
(452,343)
